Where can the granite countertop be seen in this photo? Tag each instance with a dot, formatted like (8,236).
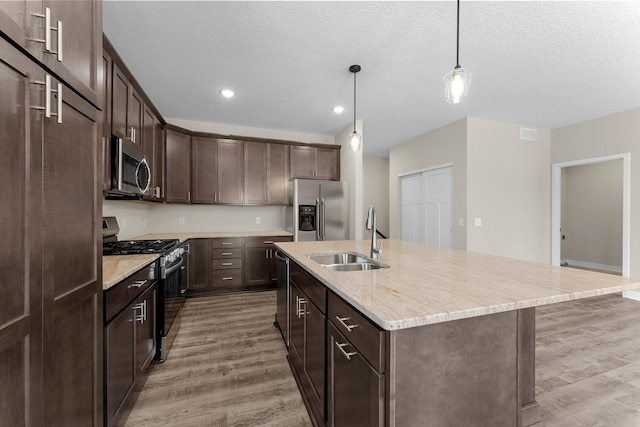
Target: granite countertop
(426,285)
(116,268)
(212,235)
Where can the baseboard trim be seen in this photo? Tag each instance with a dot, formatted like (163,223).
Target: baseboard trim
(593,265)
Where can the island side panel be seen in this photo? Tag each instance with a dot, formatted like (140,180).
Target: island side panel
(457,373)
(530,412)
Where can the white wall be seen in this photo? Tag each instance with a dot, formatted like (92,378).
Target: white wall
(509,189)
(225,129)
(134,218)
(592,214)
(351,172)
(376,191)
(614,134)
(447,144)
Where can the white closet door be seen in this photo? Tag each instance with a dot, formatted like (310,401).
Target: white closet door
(437,184)
(412,208)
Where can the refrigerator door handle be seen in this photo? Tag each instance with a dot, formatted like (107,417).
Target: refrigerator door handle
(318,220)
(322,218)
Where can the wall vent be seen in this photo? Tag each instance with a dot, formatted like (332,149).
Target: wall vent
(528,134)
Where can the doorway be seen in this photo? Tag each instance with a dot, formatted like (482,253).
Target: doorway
(426,206)
(557,199)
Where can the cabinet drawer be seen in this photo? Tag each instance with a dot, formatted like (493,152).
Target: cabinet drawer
(265,242)
(222,264)
(232,242)
(315,290)
(227,278)
(121,294)
(364,335)
(227,253)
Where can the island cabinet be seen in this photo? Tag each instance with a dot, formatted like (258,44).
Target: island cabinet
(178,166)
(309,162)
(307,344)
(260,261)
(129,340)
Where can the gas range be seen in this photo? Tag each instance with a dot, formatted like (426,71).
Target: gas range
(129,247)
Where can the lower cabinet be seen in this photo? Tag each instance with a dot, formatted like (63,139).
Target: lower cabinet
(260,260)
(129,340)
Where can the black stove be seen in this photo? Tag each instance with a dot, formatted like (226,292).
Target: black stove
(129,247)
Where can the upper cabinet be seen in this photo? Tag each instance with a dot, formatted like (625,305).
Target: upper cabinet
(266,173)
(217,170)
(178,167)
(70,45)
(315,162)
(152,142)
(127,107)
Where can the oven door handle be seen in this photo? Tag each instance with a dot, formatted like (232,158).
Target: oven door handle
(170,270)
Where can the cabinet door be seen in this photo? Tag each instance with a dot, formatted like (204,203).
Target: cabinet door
(120,362)
(135,117)
(328,164)
(71,249)
(204,170)
(145,321)
(277,174)
(230,171)
(352,383)
(256,266)
(178,167)
(296,340)
(20,218)
(255,173)
(159,162)
(81,38)
(149,141)
(200,264)
(302,162)
(314,352)
(120,92)
(105,106)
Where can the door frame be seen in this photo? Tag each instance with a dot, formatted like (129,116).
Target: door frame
(556,205)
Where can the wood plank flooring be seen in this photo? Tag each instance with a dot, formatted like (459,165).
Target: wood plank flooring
(227,367)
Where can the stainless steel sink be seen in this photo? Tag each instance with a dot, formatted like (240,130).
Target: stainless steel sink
(346,261)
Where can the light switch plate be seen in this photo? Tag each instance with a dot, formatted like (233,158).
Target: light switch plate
(461,222)
(478,222)
(258,220)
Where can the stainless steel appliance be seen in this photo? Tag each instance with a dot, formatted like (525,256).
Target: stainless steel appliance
(282,296)
(130,173)
(319,210)
(173,282)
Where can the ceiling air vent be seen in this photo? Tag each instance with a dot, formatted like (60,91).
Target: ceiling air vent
(528,134)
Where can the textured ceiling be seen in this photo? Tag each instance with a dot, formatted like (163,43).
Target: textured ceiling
(538,64)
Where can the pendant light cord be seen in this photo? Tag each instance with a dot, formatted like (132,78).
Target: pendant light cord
(354,101)
(458,38)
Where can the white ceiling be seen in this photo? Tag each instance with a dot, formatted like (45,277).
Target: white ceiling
(538,64)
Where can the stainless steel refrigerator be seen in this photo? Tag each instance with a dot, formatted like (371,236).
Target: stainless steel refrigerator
(319,210)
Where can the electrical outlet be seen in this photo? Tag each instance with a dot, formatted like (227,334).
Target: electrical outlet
(478,222)
(258,220)
(181,220)
(461,222)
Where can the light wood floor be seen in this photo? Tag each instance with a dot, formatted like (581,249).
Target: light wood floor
(228,368)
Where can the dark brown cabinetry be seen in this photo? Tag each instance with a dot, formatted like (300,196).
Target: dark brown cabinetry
(307,345)
(315,162)
(259,260)
(129,340)
(178,167)
(265,173)
(153,149)
(217,170)
(50,340)
(226,264)
(127,106)
(200,265)
(74,50)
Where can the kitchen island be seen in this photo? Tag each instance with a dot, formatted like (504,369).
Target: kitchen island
(457,336)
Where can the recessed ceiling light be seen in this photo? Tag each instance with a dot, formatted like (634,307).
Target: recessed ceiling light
(227,93)
(338,109)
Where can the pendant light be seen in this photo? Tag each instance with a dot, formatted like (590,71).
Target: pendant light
(355,140)
(458,80)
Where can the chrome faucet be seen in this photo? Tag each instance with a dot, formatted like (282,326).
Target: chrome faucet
(371,225)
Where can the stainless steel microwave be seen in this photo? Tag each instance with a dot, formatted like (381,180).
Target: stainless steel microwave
(130,171)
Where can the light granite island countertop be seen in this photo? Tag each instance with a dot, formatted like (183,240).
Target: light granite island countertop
(455,341)
(425,285)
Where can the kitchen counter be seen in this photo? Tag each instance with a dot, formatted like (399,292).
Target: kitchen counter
(212,235)
(116,268)
(427,285)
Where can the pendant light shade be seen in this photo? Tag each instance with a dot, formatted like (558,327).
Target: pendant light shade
(458,80)
(355,139)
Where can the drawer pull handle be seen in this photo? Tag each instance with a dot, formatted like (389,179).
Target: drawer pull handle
(300,310)
(347,355)
(227,253)
(342,320)
(227,263)
(268,242)
(227,243)
(227,278)
(137,284)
